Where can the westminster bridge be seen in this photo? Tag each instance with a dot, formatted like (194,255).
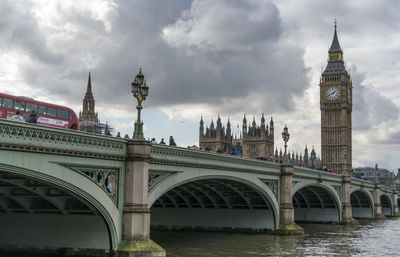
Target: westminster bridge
(62,189)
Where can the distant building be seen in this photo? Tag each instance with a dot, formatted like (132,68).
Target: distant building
(385,176)
(255,142)
(308,161)
(258,141)
(336,109)
(88,118)
(216,138)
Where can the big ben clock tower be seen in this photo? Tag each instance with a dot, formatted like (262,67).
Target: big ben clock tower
(336,107)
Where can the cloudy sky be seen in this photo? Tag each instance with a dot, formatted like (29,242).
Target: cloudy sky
(210,58)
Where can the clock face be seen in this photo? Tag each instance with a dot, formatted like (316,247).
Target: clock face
(332,93)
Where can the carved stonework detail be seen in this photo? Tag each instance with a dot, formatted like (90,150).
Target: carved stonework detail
(155,178)
(106,178)
(273,185)
(339,191)
(336,108)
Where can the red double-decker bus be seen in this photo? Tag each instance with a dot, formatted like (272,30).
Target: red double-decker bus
(47,114)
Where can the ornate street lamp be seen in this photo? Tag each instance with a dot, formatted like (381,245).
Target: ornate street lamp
(140,90)
(376,174)
(285,137)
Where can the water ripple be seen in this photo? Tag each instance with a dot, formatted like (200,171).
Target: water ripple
(369,239)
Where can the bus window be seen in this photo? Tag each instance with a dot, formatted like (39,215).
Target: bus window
(19,105)
(52,112)
(1,101)
(62,114)
(29,107)
(8,103)
(70,115)
(41,110)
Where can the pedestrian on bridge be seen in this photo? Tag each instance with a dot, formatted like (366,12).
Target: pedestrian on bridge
(17,117)
(172,141)
(32,118)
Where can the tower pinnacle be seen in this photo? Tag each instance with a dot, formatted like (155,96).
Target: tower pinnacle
(89,85)
(335,46)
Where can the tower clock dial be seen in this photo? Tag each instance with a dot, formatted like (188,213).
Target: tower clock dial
(332,93)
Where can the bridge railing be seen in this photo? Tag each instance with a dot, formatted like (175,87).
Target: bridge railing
(179,156)
(37,138)
(302,172)
(362,183)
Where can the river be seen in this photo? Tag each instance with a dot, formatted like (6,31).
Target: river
(370,239)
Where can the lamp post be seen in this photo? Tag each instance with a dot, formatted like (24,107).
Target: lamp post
(285,137)
(140,90)
(376,174)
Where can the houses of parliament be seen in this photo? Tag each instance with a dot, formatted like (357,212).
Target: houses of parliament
(336,125)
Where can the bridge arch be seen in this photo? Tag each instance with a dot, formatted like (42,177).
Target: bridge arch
(362,203)
(386,203)
(231,197)
(398,201)
(316,202)
(92,225)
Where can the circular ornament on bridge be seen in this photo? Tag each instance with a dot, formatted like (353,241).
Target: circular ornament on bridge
(110,183)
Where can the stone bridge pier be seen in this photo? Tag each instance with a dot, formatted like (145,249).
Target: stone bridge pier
(136,213)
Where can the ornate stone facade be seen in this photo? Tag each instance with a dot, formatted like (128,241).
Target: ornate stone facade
(88,113)
(256,141)
(297,159)
(336,108)
(88,118)
(216,139)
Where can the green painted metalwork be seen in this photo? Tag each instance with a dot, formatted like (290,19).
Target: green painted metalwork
(75,183)
(176,156)
(81,162)
(100,176)
(36,138)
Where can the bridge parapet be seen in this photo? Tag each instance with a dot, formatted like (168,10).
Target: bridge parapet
(36,138)
(178,156)
(362,183)
(306,173)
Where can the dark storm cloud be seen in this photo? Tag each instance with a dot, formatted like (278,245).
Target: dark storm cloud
(232,49)
(19,31)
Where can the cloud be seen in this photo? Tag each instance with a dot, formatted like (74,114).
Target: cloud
(369,105)
(225,54)
(224,25)
(237,54)
(208,57)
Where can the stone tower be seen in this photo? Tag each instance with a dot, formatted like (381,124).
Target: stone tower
(258,141)
(88,118)
(216,139)
(336,109)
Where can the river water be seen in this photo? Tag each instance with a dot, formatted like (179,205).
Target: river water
(370,238)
